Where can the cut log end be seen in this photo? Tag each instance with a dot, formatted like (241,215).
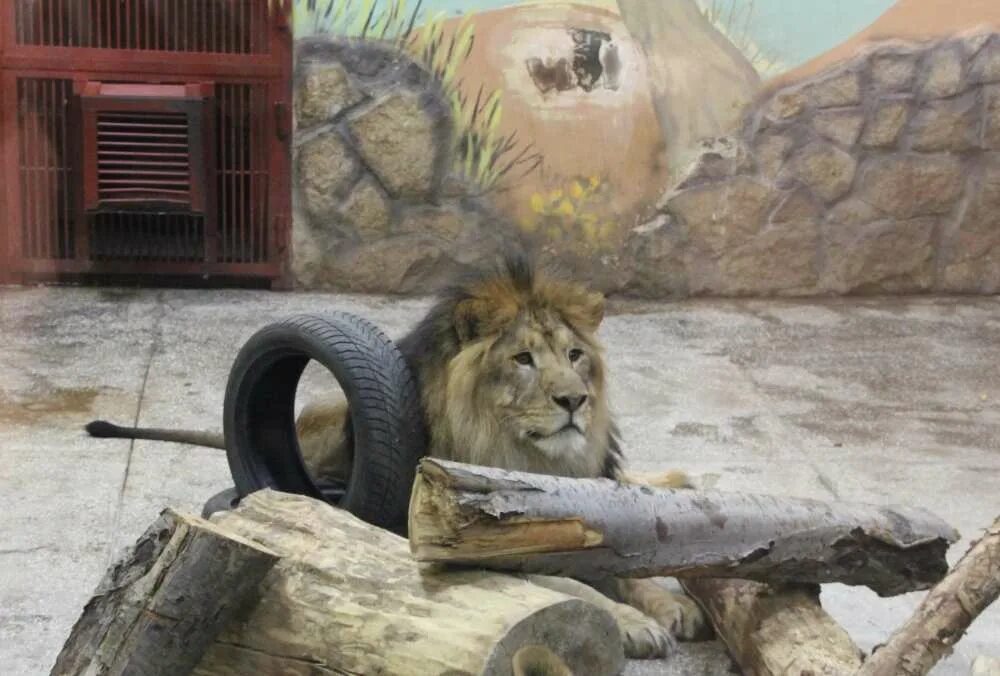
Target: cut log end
(158,609)
(569,637)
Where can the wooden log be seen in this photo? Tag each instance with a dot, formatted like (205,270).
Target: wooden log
(158,609)
(596,528)
(945,613)
(772,631)
(347,598)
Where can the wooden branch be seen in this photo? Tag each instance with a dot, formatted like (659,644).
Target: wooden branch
(594,528)
(945,613)
(347,598)
(158,609)
(775,631)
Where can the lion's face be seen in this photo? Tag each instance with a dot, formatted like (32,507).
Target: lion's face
(526,389)
(540,378)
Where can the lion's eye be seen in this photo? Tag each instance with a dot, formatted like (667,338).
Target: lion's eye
(524,358)
(575,354)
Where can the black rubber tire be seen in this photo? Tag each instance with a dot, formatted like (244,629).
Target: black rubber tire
(386,418)
(223,501)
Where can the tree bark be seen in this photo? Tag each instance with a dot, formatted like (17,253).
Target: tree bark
(945,613)
(772,631)
(595,528)
(347,598)
(158,609)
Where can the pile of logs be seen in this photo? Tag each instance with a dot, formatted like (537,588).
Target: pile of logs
(285,584)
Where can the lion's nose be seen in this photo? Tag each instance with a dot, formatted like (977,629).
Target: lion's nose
(571,403)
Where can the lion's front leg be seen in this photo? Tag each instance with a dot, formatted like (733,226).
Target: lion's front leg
(643,636)
(677,612)
(323,442)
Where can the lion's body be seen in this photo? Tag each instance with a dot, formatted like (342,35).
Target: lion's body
(483,406)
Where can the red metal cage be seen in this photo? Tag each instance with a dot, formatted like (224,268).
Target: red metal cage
(144,137)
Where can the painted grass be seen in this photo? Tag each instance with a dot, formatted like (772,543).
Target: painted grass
(482,153)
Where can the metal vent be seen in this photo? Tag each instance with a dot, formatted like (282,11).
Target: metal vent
(146,145)
(143,156)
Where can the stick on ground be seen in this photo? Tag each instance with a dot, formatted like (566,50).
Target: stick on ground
(595,528)
(775,631)
(945,613)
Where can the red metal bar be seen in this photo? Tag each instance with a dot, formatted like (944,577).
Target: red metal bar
(46,220)
(44,154)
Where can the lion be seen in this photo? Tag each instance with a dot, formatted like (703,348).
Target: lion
(512,375)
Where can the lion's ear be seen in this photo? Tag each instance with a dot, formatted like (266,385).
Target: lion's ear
(471,317)
(589,311)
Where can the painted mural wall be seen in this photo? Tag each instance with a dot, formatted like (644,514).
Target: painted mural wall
(576,125)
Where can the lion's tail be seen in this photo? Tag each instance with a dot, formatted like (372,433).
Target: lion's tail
(105,430)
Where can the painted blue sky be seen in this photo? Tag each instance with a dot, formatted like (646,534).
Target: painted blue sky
(793,31)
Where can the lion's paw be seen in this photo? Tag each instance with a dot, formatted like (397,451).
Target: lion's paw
(681,616)
(645,638)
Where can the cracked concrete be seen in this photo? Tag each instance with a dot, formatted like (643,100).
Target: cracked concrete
(885,401)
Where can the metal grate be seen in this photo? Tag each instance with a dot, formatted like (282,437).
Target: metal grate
(147,237)
(143,156)
(243,173)
(78,75)
(47,227)
(209,26)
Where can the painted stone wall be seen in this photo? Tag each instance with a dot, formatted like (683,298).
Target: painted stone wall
(881,175)
(676,148)
(377,206)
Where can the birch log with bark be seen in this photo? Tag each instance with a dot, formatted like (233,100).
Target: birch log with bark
(594,528)
(347,598)
(945,613)
(775,631)
(158,609)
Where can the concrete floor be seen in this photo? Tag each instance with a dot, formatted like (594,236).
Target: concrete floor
(885,401)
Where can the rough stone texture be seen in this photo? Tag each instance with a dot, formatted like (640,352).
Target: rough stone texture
(947,125)
(324,92)
(852,212)
(887,256)
(874,177)
(719,216)
(326,168)
(770,152)
(877,176)
(840,126)
(780,260)
(368,210)
(398,138)
(827,170)
(376,208)
(785,105)
(893,72)
(904,186)
(971,246)
(887,121)
(406,263)
(991,117)
(985,66)
(656,251)
(943,72)
(839,89)
(446,223)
